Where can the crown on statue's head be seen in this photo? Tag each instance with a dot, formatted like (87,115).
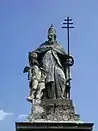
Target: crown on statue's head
(52,30)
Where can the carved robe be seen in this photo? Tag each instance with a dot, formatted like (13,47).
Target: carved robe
(52,58)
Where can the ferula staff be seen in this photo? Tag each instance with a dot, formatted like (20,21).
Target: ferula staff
(70,60)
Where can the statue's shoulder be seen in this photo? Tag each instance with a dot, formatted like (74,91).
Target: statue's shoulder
(59,45)
(44,44)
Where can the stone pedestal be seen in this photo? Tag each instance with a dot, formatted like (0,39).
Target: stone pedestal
(53,115)
(53,110)
(54,126)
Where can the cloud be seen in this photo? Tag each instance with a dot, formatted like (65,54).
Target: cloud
(4,114)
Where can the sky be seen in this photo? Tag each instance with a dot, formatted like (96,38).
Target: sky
(23,27)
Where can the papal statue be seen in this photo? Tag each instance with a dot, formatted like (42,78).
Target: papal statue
(51,59)
(49,76)
(49,81)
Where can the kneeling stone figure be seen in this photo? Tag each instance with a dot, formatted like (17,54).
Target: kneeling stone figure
(36,77)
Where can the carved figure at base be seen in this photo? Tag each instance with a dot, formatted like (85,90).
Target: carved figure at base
(36,77)
(41,84)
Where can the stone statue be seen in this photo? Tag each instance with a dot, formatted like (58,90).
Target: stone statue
(36,77)
(49,82)
(53,59)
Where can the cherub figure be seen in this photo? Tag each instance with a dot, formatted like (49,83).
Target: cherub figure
(36,77)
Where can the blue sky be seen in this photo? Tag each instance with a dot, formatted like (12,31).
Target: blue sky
(23,27)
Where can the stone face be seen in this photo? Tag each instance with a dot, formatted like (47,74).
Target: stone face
(53,110)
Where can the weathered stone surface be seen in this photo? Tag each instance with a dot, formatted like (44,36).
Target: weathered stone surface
(53,110)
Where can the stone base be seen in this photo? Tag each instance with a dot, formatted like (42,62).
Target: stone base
(53,126)
(53,110)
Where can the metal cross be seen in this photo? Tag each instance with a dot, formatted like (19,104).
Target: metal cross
(68,22)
